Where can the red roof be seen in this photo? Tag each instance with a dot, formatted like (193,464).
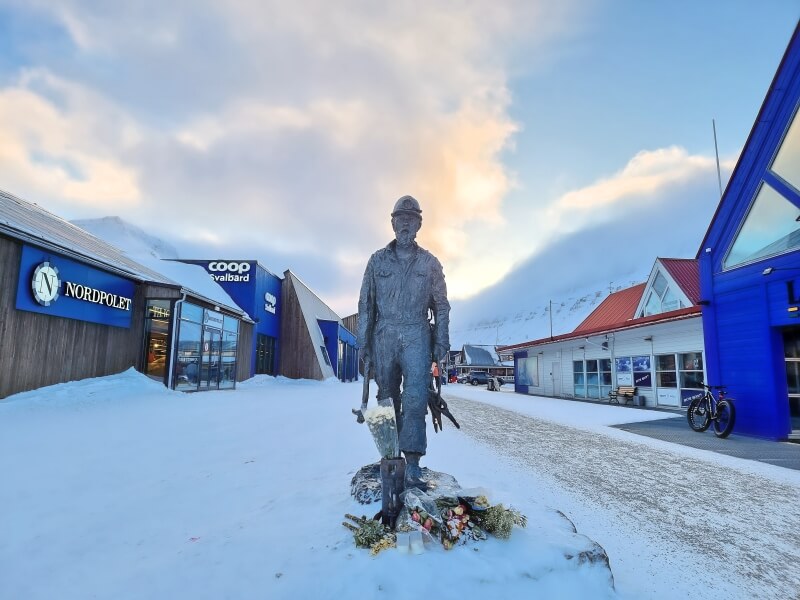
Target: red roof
(619,307)
(686,273)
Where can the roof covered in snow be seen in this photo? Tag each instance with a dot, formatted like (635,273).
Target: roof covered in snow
(34,225)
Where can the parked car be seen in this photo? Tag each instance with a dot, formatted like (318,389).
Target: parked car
(482,377)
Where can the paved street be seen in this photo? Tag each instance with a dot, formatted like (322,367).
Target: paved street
(737,531)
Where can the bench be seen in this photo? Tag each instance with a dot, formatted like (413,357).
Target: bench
(625,392)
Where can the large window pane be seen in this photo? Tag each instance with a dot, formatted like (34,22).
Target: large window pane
(188,359)
(227,376)
(692,361)
(670,301)
(156,327)
(667,379)
(231,324)
(653,306)
(771,227)
(659,284)
(191,312)
(665,362)
(691,379)
(787,160)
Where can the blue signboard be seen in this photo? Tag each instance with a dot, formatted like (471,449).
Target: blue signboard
(688,395)
(51,284)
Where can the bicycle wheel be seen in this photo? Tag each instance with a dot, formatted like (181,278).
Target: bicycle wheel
(726,416)
(698,415)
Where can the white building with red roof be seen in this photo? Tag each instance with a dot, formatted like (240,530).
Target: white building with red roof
(648,336)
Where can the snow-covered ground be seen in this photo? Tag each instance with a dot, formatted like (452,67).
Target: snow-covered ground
(119,488)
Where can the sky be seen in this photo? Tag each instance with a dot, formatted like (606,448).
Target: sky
(285,132)
(118,487)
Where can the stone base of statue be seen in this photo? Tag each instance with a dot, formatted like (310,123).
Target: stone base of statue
(366,487)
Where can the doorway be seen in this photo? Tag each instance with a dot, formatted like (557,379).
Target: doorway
(209,369)
(555,373)
(791,346)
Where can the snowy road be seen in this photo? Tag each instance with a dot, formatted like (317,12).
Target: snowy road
(675,507)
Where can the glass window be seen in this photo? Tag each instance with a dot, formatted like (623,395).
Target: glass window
(670,301)
(659,284)
(191,312)
(265,354)
(666,376)
(579,379)
(787,160)
(231,324)
(591,366)
(227,376)
(665,362)
(770,227)
(188,359)
(691,379)
(156,339)
(692,361)
(691,370)
(653,305)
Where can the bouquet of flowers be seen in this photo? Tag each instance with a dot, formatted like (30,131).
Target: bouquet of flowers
(382,424)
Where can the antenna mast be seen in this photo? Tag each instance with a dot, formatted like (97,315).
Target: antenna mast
(716,151)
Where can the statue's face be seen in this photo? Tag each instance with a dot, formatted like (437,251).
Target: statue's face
(405,228)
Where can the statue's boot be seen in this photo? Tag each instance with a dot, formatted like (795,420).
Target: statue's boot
(414,472)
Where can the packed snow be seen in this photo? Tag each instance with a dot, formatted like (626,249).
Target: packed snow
(117,487)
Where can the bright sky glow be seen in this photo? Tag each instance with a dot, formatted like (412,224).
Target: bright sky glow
(285,131)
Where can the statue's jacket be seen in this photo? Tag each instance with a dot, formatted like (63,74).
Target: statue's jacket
(399,293)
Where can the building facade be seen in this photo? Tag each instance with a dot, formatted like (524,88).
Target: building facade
(750,268)
(75,307)
(648,336)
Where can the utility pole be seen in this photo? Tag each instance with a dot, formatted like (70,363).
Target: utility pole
(551,319)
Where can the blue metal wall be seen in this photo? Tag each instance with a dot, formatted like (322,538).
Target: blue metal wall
(744,310)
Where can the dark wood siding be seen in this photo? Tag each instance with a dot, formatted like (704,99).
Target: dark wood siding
(244,351)
(298,357)
(39,350)
(351,323)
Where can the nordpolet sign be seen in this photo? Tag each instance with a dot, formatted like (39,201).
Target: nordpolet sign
(61,287)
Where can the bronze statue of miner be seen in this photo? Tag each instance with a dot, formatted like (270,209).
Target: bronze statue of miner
(402,283)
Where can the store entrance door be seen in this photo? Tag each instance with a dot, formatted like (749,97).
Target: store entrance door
(555,373)
(791,345)
(209,370)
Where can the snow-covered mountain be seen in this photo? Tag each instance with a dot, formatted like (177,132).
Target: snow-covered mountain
(129,238)
(576,274)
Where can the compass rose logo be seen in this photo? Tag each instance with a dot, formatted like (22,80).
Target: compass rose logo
(45,284)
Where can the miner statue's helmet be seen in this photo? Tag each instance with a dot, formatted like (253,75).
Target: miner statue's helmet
(407,205)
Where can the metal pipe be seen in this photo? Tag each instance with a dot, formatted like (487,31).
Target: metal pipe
(173,341)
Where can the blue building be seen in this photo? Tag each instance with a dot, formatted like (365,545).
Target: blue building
(750,268)
(256,291)
(295,333)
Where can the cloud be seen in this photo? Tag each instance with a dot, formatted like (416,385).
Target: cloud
(275,128)
(58,143)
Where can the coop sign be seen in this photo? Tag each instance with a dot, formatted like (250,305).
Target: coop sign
(54,285)
(270,302)
(229,271)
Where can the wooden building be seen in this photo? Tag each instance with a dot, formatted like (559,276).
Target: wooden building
(73,306)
